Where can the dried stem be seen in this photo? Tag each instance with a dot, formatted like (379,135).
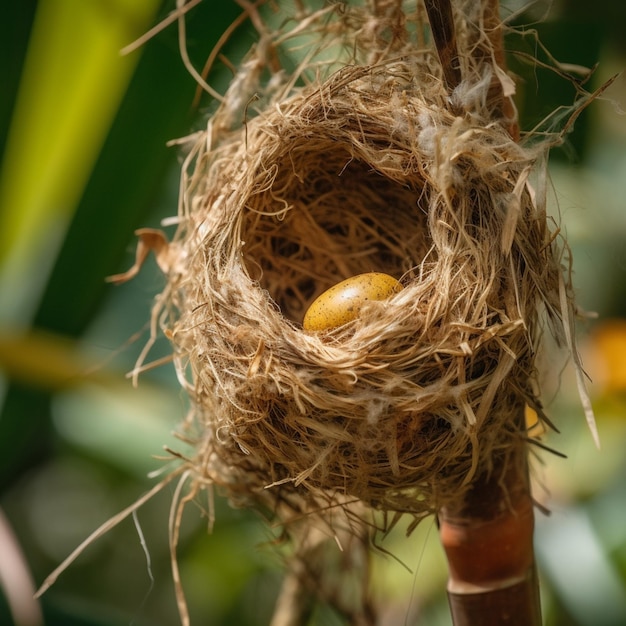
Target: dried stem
(444,37)
(295,602)
(502,101)
(329,565)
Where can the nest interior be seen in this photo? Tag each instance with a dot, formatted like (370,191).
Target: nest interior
(336,216)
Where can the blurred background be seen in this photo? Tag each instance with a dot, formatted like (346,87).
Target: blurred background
(84,162)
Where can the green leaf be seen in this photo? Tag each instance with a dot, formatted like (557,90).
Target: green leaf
(127,178)
(15,27)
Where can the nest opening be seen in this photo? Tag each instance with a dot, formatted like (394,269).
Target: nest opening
(327,216)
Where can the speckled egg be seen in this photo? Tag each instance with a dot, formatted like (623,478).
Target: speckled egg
(342,302)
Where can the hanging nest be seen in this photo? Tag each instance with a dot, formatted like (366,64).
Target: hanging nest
(359,158)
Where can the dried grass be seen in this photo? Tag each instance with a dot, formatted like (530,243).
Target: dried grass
(327,173)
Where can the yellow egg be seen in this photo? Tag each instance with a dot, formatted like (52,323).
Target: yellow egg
(342,302)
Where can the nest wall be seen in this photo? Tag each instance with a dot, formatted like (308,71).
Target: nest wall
(372,167)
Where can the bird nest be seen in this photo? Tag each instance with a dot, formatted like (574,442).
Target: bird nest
(341,147)
(340,166)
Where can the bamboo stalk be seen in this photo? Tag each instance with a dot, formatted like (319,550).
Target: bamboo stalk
(515,606)
(488,540)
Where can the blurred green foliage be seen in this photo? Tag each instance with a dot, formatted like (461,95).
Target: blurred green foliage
(76,440)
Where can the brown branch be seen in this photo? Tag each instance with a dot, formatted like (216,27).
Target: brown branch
(444,35)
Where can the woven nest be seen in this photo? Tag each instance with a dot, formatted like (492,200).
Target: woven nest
(370,167)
